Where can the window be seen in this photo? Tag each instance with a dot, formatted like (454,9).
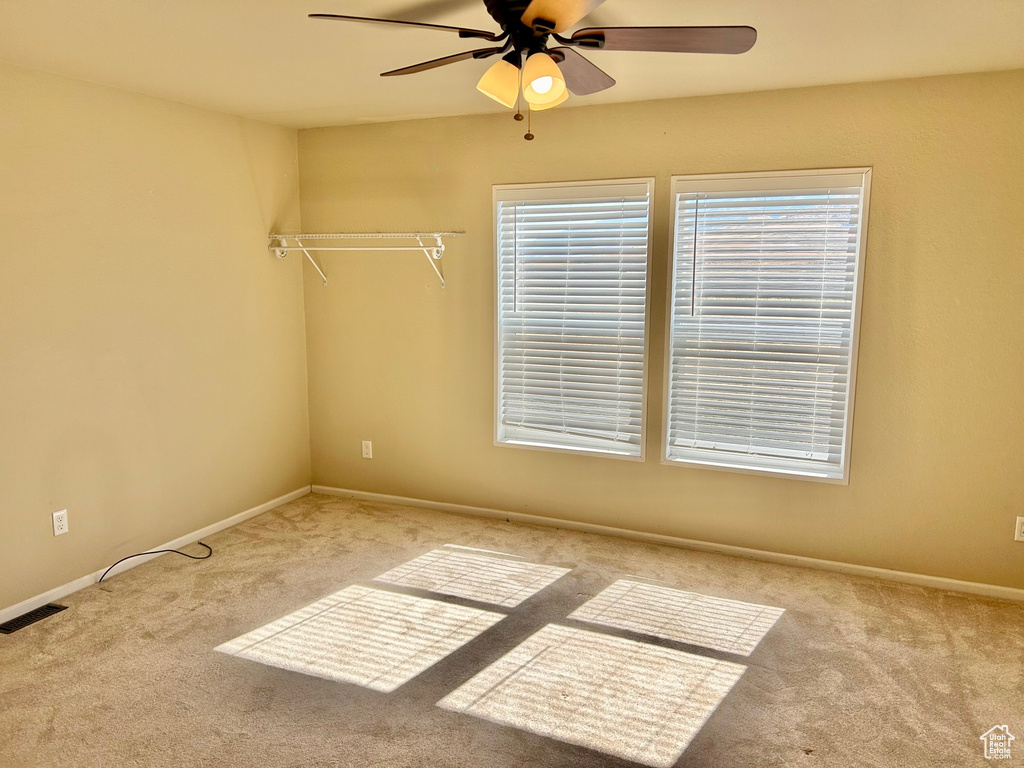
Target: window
(572,315)
(763,322)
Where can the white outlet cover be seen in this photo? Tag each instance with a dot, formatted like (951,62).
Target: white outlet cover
(367,449)
(60,522)
(1018,534)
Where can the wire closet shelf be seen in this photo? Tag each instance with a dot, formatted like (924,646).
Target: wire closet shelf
(430,244)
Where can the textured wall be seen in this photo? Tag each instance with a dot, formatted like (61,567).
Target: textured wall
(937,473)
(152,354)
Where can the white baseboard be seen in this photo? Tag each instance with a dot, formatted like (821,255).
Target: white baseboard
(917,579)
(64,590)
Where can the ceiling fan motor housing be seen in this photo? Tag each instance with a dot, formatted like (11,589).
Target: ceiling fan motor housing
(509,15)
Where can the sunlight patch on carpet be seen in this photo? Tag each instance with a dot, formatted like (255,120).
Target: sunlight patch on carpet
(685,617)
(474,576)
(633,700)
(365,636)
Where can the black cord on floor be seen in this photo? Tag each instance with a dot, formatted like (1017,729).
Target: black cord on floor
(209,552)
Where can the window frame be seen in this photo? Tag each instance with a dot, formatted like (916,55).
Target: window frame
(496,189)
(776,180)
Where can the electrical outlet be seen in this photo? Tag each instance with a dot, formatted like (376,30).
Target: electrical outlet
(1018,534)
(60,522)
(367,449)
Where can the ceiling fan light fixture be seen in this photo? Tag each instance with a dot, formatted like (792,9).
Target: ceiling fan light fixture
(501,83)
(560,100)
(543,83)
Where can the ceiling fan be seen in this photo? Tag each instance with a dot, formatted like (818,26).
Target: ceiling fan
(546,75)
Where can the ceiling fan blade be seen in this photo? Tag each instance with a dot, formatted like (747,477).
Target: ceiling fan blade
(429,9)
(668,39)
(462,32)
(479,53)
(557,15)
(581,76)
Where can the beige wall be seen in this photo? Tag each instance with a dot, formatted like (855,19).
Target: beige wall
(938,440)
(152,355)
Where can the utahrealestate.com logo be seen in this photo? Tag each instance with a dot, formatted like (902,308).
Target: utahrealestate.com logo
(997,742)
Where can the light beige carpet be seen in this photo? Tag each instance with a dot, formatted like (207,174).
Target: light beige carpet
(332,632)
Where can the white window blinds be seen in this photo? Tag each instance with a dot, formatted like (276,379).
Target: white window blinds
(763,320)
(572,308)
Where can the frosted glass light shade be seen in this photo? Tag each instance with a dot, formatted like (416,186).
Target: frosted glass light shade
(501,83)
(560,100)
(543,83)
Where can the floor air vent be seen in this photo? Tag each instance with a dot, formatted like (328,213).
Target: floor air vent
(31,618)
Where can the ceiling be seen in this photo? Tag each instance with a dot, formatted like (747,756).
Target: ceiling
(267,60)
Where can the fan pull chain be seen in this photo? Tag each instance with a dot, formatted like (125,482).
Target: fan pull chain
(518,116)
(519,95)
